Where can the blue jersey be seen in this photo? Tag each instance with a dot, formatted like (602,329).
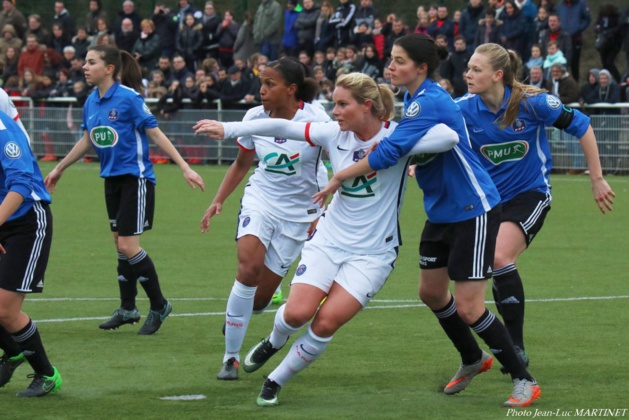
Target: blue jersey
(18,168)
(455,185)
(116,125)
(518,157)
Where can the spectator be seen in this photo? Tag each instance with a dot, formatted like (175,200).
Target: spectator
(447,86)
(52,62)
(166,27)
(63,18)
(365,13)
(11,15)
(9,39)
(96,11)
(164,65)
(226,36)
(498,6)
(513,29)
(443,25)
(422,25)
(210,21)
(244,46)
(76,70)
(555,56)
(31,58)
(60,38)
(589,90)
(379,38)
(455,67)
(488,29)
(536,59)
(575,18)
(432,13)
(103,29)
(180,69)
(235,88)
(69,53)
(562,85)
(63,86)
(528,11)
(186,7)
(106,39)
(456,17)
(557,34)
(549,5)
(398,30)
(170,103)
(29,82)
(329,66)
(208,93)
(44,88)
(468,24)
(343,22)
(607,92)
(325,33)
(11,58)
(540,24)
(362,34)
(306,26)
(304,59)
(536,77)
(609,37)
(127,36)
(80,92)
(266,28)
(189,43)
(371,65)
(35,27)
(81,41)
(147,48)
(127,12)
(289,36)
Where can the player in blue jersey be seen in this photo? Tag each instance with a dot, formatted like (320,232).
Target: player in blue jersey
(348,258)
(276,209)
(25,238)
(506,122)
(116,123)
(463,209)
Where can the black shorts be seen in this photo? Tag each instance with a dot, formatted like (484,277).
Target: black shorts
(27,241)
(527,210)
(466,248)
(130,204)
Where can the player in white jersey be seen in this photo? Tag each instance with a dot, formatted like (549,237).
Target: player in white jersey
(277,211)
(8,107)
(349,257)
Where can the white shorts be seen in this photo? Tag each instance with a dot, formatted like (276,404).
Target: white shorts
(362,276)
(283,240)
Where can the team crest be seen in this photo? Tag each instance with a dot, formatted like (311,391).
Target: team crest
(413,110)
(518,125)
(113,115)
(279,140)
(553,102)
(12,150)
(301,270)
(359,155)
(246,222)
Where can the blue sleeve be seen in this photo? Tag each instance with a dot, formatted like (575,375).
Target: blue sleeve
(17,165)
(418,119)
(549,109)
(142,116)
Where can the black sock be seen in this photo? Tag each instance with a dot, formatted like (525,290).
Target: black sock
(495,335)
(30,342)
(8,344)
(147,276)
(511,293)
(127,282)
(459,333)
(494,292)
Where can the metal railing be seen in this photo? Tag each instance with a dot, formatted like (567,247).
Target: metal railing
(54,127)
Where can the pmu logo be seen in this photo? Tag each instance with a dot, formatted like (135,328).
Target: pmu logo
(362,186)
(505,152)
(104,136)
(281,163)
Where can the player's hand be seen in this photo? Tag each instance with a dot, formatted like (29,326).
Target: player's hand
(209,128)
(51,180)
(321,197)
(603,195)
(2,250)
(214,209)
(193,178)
(411,171)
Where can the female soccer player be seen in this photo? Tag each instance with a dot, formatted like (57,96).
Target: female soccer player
(116,122)
(25,238)
(277,210)
(349,257)
(505,120)
(463,209)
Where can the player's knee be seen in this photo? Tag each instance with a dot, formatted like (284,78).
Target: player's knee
(469,313)
(7,316)
(249,273)
(296,317)
(324,326)
(430,297)
(502,260)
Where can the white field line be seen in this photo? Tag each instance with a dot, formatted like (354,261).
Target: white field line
(411,304)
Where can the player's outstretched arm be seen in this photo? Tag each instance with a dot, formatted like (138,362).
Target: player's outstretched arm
(603,194)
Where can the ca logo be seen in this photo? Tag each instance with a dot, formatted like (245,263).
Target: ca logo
(12,150)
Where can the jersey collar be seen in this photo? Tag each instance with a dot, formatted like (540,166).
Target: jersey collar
(503,107)
(110,92)
(407,96)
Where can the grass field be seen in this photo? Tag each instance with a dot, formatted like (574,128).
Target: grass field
(387,363)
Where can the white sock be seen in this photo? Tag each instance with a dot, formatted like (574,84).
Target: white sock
(302,353)
(281,330)
(237,316)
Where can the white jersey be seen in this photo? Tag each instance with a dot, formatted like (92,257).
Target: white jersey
(289,172)
(363,215)
(7,106)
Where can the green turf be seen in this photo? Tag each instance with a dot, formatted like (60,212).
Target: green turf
(386,363)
